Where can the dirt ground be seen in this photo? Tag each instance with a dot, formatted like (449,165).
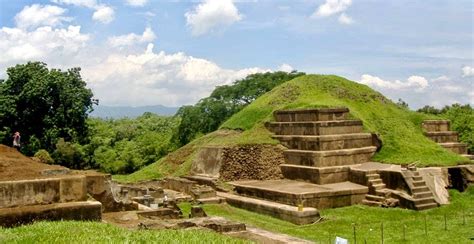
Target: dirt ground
(16,166)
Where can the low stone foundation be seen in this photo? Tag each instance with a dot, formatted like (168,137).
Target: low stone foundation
(87,211)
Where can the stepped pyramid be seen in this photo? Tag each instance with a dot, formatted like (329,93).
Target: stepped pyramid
(439,131)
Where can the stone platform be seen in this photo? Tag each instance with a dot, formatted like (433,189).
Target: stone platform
(298,192)
(86,211)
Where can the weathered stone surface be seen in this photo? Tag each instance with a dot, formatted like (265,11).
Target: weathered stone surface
(329,158)
(435,125)
(316,175)
(73,188)
(197,211)
(207,162)
(308,194)
(327,142)
(436,179)
(277,210)
(316,128)
(443,136)
(322,114)
(90,211)
(160,213)
(29,192)
(455,147)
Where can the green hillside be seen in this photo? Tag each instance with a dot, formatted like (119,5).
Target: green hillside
(398,127)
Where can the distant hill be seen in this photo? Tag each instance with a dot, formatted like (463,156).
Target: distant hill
(113,112)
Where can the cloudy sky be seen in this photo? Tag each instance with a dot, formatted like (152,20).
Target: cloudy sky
(148,52)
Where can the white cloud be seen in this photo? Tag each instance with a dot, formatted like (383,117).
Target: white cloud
(344,19)
(417,82)
(80,3)
(40,15)
(132,38)
(136,3)
(104,14)
(158,78)
(452,88)
(467,71)
(286,68)
(331,7)
(442,78)
(18,45)
(212,15)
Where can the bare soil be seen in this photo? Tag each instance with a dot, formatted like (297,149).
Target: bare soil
(16,166)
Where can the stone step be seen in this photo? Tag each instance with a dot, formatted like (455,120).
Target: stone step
(417,178)
(285,212)
(456,147)
(372,176)
(421,201)
(375,181)
(317,175)
(379,186)
(422,195)
(293,192)
(376,198)
(419,183)
(371,203)
(321,114)
(316,128)
(329,158)
(426,206)
(420,189)
(327,142)
(443,136)
(468,156)
(435,125)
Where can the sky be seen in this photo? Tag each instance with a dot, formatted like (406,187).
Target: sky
(172,53)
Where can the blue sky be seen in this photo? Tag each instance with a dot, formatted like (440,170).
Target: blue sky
(139,52)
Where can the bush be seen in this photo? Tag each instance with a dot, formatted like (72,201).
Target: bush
(44,157)
(69,155)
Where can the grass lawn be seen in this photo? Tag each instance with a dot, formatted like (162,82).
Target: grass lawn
(96,232)
(368,222)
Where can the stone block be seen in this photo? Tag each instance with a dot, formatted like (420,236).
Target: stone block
(329,158)
(323,114)
(29,192)
(316,128)
(85,211)
(73,189)
(316,175)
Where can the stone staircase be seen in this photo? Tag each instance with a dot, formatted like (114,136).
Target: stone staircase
(322,145)
(422,197)
(439,131)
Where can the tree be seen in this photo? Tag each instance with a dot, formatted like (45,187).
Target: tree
(44,105)
(210,112)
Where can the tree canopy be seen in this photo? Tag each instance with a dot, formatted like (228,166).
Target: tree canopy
(210,112)
(44,105)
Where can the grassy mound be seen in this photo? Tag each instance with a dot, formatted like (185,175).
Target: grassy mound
(398,127)
(95,232)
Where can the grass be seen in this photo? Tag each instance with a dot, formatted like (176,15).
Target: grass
(96,232)
(368,220)
(399,128)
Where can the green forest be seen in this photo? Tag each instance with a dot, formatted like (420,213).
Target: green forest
(50,108)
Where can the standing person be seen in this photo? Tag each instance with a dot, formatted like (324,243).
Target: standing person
(16,140)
